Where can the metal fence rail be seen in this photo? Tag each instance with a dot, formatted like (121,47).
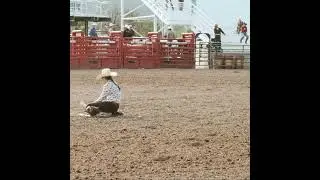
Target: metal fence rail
(210,55)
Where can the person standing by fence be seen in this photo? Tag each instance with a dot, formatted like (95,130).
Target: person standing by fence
(128,31)
(170,35)
(217,36)
(93,31)
(243,31)
(239,25)
(110,28)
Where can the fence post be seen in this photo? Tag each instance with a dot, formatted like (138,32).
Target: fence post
(242,49)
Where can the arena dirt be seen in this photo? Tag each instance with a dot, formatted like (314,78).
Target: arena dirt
(177,124)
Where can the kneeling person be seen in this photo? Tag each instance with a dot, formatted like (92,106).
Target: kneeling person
(109,98)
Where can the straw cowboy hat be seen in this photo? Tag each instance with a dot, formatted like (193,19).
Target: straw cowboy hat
(105,73)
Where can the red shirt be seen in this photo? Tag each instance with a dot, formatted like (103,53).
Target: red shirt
(243,28)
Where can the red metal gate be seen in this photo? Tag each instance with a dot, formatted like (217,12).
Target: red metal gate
(141,52)
(178,53)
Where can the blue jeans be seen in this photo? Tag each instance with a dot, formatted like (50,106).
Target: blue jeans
(244,34)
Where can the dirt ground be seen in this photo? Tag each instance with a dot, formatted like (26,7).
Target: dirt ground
(177,124)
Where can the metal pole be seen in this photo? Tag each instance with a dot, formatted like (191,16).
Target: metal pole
(242,49)
(122,15)
(86,27)
(165,28)
(138,17)
(133,10)
(155,23)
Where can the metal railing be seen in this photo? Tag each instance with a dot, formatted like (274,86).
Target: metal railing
(90,8)
(221,56)
(158,9)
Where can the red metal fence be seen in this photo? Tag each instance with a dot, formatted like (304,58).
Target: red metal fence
(118,52)
(97,52)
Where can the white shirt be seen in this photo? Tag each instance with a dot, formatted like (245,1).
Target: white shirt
(110,92)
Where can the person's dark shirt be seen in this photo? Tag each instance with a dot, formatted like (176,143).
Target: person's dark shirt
(218,31)
(93,32)
(128,33)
